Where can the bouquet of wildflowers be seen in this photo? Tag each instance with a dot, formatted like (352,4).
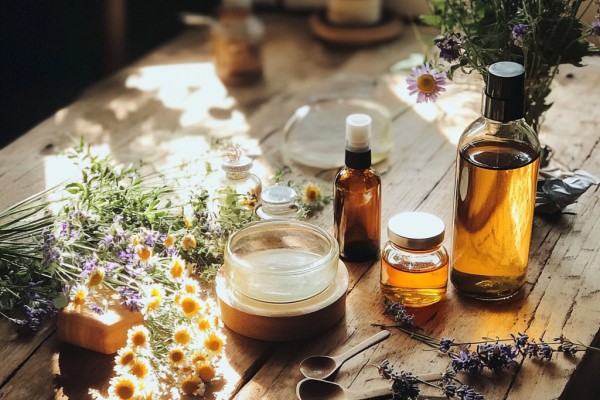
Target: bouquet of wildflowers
(142,238)
(539,34)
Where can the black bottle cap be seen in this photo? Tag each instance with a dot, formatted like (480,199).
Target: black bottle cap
(358,160)
(504,95)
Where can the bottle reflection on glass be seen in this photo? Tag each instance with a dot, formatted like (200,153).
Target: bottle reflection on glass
(357,196)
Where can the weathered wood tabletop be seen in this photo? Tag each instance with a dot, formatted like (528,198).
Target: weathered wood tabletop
(156,110)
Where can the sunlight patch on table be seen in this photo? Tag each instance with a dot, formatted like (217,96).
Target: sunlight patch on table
(196,91)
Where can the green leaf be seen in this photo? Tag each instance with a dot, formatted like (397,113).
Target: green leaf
(60,301)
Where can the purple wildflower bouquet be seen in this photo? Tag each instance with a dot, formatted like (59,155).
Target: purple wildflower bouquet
(540,34)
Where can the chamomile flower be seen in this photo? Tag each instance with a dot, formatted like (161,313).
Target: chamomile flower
(176,355)
(190,286)
(190,306)
(168,242)
(189,242)
(214,343)
(124,356)
(182,335)
(192,386)
(124,386)
(156,291)
(204,325)
(80,294)
(143,252)
(199,357)
(311,193)
(96,277)
(139,367)
(177,268)
(138,336)
(152,305)
(206,372)
(426,83)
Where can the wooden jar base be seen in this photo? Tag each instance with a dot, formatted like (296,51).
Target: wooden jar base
(286,321)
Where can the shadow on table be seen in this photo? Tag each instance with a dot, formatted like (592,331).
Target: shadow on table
(81,370)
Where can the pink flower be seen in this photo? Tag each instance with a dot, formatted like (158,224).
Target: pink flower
(427,83)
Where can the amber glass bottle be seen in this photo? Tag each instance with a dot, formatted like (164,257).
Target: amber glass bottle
(496,175)
(357,196)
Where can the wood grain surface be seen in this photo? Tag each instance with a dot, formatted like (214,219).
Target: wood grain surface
(157,110)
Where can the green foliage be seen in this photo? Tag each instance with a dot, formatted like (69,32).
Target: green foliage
(555,35)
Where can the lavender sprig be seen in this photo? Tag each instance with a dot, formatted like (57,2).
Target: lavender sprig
(490,354)
(405,385)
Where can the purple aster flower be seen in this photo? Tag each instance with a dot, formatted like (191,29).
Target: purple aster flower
(449,45)
(519,31)
(75,234)
(426,83)
(596,28)
(130,299)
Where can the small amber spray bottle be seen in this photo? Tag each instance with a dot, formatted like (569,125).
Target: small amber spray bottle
(357,196)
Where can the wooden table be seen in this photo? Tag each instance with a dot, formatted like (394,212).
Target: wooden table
(157,108)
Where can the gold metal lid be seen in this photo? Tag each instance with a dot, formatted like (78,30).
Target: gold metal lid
(416,230)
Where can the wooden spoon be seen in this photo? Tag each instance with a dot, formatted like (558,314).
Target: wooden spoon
(324,367)
(318,389)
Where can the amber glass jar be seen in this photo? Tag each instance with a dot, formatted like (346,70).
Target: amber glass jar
(414,264)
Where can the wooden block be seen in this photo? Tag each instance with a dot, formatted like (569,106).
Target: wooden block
(105,333)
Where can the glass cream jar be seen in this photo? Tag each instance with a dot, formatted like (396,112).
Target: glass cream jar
(280,261)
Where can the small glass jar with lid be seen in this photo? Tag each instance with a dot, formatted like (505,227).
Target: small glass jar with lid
(278,202)
(235,179)
(414,263)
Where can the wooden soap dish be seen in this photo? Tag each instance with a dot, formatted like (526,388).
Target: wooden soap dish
(280,322)
(388,28)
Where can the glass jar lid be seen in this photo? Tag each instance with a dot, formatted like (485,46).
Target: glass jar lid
(416,230)
(278,201)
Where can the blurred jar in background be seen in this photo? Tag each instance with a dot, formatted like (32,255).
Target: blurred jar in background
(237,42)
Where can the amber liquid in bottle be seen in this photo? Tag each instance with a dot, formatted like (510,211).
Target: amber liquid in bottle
(357,216)
(493,218)
(401,283)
